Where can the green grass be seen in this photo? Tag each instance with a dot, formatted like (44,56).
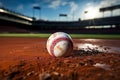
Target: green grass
(96,36)
(24,35)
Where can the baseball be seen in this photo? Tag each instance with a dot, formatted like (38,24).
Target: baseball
(59,44)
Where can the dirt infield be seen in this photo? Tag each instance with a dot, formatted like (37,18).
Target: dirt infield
(28,59)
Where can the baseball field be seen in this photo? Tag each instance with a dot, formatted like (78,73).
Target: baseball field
(25,57)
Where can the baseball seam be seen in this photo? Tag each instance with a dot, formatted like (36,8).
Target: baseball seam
(54,42)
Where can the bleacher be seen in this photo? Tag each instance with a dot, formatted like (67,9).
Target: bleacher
(12,16)
(16,21)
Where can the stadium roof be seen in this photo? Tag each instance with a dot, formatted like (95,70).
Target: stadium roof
(109,8)
(4,10)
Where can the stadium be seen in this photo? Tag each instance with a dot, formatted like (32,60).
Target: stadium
(21,22)
(24,56)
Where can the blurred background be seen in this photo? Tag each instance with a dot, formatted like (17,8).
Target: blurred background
(72,16)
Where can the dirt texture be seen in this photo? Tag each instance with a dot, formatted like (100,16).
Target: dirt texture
(28,59)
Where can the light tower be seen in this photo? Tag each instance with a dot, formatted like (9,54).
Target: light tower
(36,8)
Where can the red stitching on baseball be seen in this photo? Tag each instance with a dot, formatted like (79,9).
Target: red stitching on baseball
(54,42)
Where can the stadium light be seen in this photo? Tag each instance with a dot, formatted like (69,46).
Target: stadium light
(63,15)
(36,8)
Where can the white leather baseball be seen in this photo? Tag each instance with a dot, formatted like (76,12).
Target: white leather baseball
(59,44)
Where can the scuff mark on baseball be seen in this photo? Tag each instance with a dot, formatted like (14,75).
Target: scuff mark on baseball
(59,44)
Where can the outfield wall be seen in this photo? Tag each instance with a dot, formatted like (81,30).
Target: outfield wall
(79,31)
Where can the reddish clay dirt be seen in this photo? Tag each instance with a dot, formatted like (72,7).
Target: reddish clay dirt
(28,59)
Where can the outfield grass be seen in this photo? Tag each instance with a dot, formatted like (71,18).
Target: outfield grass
(24,35)
(96,36)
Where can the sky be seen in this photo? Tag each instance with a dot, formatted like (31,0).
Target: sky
(50,9)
